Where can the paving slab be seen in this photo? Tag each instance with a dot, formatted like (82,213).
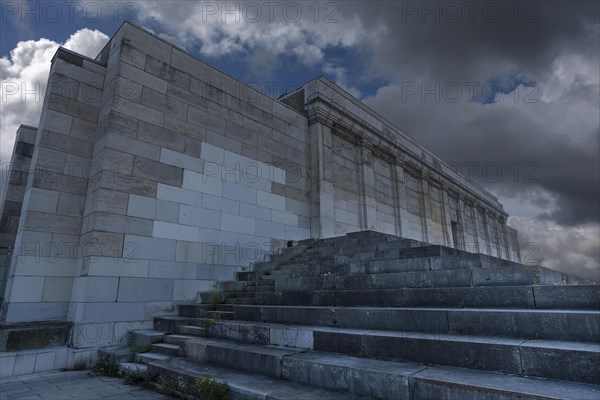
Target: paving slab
(58,385)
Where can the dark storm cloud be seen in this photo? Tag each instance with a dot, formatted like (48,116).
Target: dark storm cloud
(553,139)
(527,35)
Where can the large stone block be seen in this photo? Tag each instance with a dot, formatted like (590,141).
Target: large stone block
(236,223)
(70,204)
(136,110)
(145,79)
(156,171)
(41,200)
(179,195)
(21,312)
(151,248)
(132,56)
(66,144)
(95,289)
(25,289)
(187,63)
(72,107)
(37,221)
(187,97)
(220,204)
(109,312)
(169,230)
(239,192)
(167,211)
(206,120)
(114,181)
(197,216)
(145,289)
(104,200)
(173,270)
(162,102)
(141,206)
(93,78)
(57,122)
(101,244)
(202,183)
(132,147)
(269,200)
(185,161)
(57,289)
(118,224)
(130,265)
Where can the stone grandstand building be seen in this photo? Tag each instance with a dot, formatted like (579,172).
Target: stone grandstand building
(152,175)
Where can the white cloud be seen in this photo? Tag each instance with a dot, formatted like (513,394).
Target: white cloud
(25,70)
(234,28)
(340,78)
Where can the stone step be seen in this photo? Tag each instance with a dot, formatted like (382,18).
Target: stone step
(169,323)
(261,288)
(241,301)
(247,276)
(572,361)
(569,325)
(145,358)
(193,310)
(360,252)
(165,348)
(128,367)
(232,286)
(180,375)
(265,266)
(545,359)
(176,338)
(218,315)
(220,297)
(241,331)
(502,276)
(114,354)
(144,338)
(536,358)
(543,297)
(223,307)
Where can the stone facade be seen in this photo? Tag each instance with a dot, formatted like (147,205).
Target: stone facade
(154,175)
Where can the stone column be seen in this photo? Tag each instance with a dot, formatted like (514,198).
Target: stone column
(476,238)
(485,235)
(400,192)
(322,173)
(369,203)
(461,224)
(446,222)
(425,208)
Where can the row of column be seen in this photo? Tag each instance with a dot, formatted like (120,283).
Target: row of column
(492,240)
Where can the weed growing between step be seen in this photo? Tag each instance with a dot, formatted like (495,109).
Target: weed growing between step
(211,389)
(145,379)
(206,325)
(215,298)
(106,368)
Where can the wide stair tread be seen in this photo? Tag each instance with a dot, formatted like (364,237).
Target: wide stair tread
(165,348)
(569,325)
(518,356)
(182,374)
(377,378)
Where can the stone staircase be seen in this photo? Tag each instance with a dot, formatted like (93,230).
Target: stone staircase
(374,316)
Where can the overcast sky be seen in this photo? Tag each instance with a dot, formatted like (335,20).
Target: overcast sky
(508,92)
